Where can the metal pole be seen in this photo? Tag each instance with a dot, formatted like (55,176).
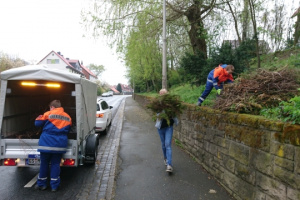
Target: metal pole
(164,60)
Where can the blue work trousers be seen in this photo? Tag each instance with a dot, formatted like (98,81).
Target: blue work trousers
(54,160)
(208,87)
(166,135)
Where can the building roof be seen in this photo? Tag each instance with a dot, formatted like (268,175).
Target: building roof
(61,57)
(114,90)
(88,70)
(69,65)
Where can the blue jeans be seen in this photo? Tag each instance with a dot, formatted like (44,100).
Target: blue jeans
(54,159)
(166,135)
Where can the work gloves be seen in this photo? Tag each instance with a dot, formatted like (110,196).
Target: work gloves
(219,91)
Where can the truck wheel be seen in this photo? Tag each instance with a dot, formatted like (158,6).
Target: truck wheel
(91,149)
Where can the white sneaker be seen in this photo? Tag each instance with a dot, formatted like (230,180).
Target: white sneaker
(169,168)
(165,161)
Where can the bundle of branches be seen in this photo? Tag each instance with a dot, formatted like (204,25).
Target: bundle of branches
(168,106)
(262,89)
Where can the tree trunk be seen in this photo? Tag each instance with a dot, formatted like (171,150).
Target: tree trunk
(245,20)
(297,30)
(252,11)
(197,33)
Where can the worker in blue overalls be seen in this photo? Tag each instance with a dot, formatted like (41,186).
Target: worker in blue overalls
(216,79)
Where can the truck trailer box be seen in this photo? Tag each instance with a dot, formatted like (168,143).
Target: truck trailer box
(25,94)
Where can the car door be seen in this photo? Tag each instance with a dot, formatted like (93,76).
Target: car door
(106,112)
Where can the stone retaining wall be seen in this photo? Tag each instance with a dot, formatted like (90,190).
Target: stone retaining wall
(253,158)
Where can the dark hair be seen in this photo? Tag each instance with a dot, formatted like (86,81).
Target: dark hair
(55,103)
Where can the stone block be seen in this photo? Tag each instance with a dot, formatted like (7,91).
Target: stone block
(211,148)
(194,135)
(243,189)
(291,134)
(229,164)
(239,152)
(297,160)
(219,174)
(209,136)
(255,138)
(246,173)
(284,163)
(287,177)
(200,137)
(282,150)
(292,194)
(222,151)
(191,142)
(275,189)
(222,142)
(262,161)
(259,195)
(233,132)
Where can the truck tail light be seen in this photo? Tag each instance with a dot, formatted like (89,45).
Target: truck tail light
(10,162)
(101,115)
(69,162)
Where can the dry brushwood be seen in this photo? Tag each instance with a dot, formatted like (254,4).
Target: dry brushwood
(167,105)
(264,89)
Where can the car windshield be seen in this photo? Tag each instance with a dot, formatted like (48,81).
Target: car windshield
(98,107)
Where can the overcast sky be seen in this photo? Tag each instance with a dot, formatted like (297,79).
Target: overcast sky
(30,29)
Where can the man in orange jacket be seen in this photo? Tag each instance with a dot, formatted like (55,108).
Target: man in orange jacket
(216,78)
(52,144)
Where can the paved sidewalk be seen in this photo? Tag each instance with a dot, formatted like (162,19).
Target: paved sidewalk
(141,172)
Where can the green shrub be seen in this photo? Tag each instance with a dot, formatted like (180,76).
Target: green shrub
(287,111)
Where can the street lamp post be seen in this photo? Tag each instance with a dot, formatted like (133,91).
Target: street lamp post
(164,59)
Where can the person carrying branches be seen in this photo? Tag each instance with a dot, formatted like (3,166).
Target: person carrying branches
(166,109)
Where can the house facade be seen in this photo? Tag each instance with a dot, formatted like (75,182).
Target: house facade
(58,61)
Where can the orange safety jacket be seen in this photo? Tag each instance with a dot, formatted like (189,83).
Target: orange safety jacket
(220,76)
(56,125)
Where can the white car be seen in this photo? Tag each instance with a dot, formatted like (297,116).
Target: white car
(105,94)
(103,116)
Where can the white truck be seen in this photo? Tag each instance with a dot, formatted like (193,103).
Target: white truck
(26,93)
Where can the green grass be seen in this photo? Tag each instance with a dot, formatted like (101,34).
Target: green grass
(279,59)
(189,94)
